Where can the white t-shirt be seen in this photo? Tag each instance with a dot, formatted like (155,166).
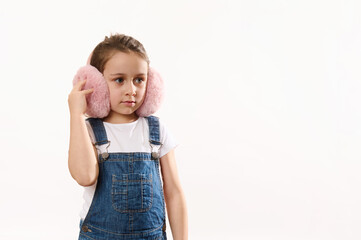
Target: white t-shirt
(127,137)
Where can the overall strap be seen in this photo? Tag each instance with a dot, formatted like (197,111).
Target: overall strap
(153,123)
(99,131)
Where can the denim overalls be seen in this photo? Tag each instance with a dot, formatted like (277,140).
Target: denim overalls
(128,202)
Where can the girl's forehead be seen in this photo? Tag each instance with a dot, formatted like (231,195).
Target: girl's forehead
(121,61)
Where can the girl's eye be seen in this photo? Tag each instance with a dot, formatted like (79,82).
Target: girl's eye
(139,80)
(119,80)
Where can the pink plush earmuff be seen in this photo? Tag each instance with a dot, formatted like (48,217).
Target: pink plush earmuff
(98,102)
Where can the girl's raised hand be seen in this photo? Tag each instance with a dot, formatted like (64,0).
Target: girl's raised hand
(76,99)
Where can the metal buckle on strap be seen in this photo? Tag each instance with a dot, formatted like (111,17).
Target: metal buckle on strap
(155,152)
(104,155)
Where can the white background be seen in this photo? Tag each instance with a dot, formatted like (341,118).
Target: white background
(263,96)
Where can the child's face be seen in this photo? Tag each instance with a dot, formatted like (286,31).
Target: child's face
(126,76)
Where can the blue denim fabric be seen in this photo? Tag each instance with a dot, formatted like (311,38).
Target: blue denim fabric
(128,202)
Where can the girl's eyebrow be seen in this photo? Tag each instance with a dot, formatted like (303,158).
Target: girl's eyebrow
(117,74)
(114,74)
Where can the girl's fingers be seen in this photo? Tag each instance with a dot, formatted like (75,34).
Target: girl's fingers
(87,91)
(79,85)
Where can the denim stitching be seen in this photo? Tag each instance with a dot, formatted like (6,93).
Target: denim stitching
(126,196)
(160,237)
(131,218)
(126,160)
(127,210)
(132,181)
(127,234)
(161,183)
(141,189)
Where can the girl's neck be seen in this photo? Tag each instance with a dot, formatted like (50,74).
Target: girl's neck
(116,118)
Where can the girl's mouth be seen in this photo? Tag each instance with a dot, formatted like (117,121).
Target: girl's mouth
(129,103)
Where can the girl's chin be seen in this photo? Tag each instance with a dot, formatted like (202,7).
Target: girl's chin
(129,111)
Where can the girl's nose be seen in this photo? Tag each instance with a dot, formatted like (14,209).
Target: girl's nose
(131,89)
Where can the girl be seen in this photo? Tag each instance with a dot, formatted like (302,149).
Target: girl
(117,157)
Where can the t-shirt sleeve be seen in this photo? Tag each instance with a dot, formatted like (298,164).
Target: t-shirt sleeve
(167,139)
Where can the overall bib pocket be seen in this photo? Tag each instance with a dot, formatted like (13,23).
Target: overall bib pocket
(132,192)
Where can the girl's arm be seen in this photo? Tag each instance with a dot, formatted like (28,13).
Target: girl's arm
(174,197)
(82,161)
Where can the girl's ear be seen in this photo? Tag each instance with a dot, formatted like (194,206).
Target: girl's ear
(98,102)
(154,94)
